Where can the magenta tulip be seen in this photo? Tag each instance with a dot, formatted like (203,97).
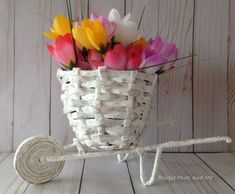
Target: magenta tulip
(116,58)
(157,52)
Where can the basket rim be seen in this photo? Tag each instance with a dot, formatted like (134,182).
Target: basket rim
(105,68)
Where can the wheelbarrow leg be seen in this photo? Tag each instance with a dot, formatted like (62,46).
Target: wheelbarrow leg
(154,170)
(122,157)
(160,147)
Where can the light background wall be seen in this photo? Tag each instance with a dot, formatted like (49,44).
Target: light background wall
(200,96)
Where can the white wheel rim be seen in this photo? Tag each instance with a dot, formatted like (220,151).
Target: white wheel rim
(28,163)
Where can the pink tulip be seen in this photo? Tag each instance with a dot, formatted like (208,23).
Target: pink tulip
(116,58)
(158,52)
(134,52)
(95,59)
(82,64)
(62,50)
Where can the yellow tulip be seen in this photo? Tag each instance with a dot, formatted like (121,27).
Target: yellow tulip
(80,36)
(90,34)
(141,41)
(61,26)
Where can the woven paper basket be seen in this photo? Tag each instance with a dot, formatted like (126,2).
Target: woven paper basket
(107,109)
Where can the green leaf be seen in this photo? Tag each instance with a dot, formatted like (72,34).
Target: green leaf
(160,71)
(84,52)
(70,66)
(102,49)
(112,43)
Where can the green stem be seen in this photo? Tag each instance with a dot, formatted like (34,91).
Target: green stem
(69,10)
(67,6)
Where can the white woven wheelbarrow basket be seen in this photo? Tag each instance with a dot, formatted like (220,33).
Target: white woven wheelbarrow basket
(107,110)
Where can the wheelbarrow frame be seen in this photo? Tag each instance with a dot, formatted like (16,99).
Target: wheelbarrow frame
(140,150)
(122,156)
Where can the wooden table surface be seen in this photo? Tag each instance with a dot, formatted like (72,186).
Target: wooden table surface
(179,173)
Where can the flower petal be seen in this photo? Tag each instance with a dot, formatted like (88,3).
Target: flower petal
(50,49)
(84,65)
(80,36)
(141,41)
(114,16)
(93,15)
(127,32)
(169,50)
(127,17)
(61,25)
(154,60)
(96,35)
(116,58)
(62,50)
(92,39)
(110,27)
(99,30)
(50,35)
(95,59)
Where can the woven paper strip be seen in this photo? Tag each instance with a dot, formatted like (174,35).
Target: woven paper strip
(107,109)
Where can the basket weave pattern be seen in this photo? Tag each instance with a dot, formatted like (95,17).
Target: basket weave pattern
(107,109)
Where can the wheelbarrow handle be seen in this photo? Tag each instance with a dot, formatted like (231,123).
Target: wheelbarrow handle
(172,144)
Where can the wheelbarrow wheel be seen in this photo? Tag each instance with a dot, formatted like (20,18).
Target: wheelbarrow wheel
(30,162)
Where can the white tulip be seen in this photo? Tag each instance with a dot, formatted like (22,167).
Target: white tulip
(127,30)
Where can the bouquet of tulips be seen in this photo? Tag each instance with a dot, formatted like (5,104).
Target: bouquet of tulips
(111,41)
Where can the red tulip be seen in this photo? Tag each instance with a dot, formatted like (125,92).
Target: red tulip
(62,50)
(95,59)
(134,59)
(116,58)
